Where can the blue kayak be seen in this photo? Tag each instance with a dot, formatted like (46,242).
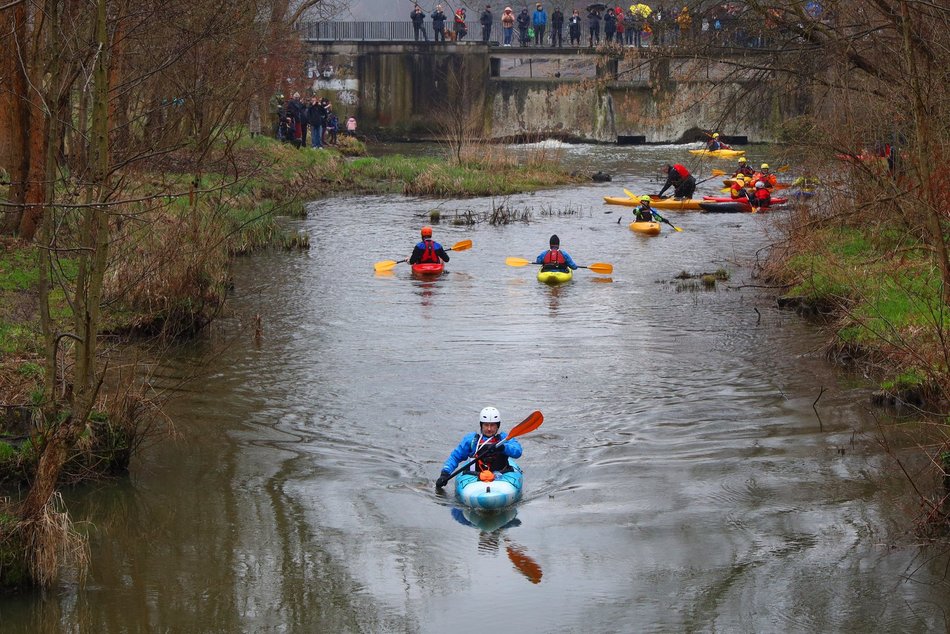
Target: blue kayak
(502,492)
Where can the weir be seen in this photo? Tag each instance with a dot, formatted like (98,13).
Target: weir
(420,90)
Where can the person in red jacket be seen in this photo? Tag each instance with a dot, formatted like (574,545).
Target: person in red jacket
(737,190)
(428,250)
(761,199)
(682,181)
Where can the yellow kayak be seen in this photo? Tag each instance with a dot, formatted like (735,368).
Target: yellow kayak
(688,204)
(719,153)
(647,228)
(555,277)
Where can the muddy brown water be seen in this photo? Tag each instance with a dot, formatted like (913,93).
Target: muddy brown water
(680,481)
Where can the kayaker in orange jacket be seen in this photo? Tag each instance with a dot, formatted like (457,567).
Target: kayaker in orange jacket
(428,250)
(765,176)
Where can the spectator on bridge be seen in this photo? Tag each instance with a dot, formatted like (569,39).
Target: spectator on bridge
(507,25)
(557,27)
(593,21)
(524,21)
(610,25)
(539,20)
(574,28)
(418,24)
(459,27)
(618,14)
(684,24)
(438,23)
(486,21)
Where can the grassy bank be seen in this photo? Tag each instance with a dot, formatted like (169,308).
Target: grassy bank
(879,292)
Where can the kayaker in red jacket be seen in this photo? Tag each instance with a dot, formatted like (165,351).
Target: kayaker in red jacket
(682,181)
(737,190)
(762,198)
(428,250)
(483,444)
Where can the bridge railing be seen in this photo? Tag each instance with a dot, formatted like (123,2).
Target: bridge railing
(362,31)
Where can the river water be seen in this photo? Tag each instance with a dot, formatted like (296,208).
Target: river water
(681,481)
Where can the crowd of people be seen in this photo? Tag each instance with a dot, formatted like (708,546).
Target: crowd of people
(294,119)
(635,26)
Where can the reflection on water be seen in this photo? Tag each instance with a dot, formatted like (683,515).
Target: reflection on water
(680,481)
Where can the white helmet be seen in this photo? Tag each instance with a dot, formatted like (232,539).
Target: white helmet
(759,185)
(489,415)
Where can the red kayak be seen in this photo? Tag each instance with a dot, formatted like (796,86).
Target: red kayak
(428,268)
(725,199)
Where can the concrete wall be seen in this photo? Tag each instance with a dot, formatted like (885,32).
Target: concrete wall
(410,90)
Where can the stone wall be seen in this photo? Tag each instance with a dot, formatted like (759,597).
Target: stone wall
(408,90)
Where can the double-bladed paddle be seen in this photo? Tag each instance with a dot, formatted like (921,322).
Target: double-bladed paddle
(596,267)
(532,422)
(387,265)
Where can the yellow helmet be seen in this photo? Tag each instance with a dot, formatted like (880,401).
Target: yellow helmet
(740,178)
(715,135)
(742,159)
(764,166)
(644,199)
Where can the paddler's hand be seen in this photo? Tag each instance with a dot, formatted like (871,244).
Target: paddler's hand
(443,480)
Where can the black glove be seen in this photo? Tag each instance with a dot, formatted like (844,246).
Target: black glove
(443,479)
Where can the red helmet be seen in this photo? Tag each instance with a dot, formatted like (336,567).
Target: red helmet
(427,231)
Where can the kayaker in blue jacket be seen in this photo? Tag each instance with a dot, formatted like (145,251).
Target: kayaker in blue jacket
(485,444)
(554,259)
(428,250)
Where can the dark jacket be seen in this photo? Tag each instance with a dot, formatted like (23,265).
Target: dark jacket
(418,19)
(557,20)
(486,19)
(438,20)
(524,20)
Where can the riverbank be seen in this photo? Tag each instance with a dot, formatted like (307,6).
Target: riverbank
(878,292)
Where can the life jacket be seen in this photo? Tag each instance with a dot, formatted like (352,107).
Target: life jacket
(745,170)
(493,462)
(644,214)
(682,171)
(762,197)
(428,252)
(554,259)
(737,190)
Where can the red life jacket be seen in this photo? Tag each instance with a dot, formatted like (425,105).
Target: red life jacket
(737,190)
(762,197)
(428,252)
(493,462)
(682,171)
(554,257)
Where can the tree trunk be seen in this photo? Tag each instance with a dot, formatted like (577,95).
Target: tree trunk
(14,112)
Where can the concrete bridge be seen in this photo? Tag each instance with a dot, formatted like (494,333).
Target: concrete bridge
(419,90)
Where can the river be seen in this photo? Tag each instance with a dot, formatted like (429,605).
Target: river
(681,481)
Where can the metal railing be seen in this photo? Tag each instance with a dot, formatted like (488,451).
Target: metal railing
(363,31)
